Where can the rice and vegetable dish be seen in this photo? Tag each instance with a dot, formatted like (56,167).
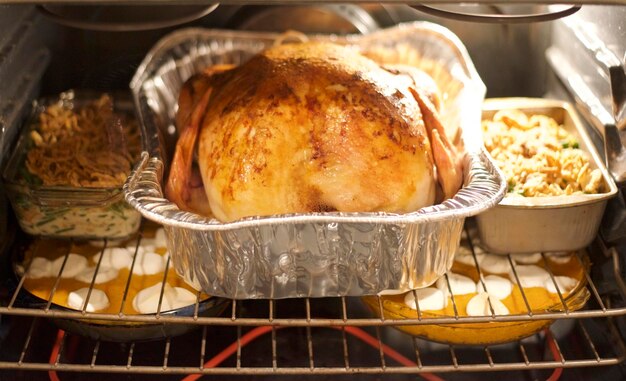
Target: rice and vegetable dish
(538,156)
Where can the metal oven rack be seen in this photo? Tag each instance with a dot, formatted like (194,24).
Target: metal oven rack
(316,337)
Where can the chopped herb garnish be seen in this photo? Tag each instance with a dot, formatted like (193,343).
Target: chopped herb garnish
(64,230)
(511,187)
(22,201)
(46,220)
(118,209)
(570,144)
(29,178)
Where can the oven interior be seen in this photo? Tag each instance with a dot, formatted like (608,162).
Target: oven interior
(49,48)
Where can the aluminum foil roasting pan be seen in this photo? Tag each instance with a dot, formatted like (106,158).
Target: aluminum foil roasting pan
(313,254)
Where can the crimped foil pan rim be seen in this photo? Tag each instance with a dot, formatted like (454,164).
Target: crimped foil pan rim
(485,185)
(145,202)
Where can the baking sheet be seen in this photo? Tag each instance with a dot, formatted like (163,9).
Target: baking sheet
(311,254)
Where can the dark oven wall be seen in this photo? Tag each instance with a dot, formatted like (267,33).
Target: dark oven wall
(509,58)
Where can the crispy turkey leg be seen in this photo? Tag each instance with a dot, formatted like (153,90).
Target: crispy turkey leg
(445,155)
(191,93)
(184,186)
(180,187)
(447,159)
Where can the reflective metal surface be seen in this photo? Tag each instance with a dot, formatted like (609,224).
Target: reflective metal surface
(553,223)
(310,19)
(587,54)
(317,336)
(314,254)
(466,12)
(123,18)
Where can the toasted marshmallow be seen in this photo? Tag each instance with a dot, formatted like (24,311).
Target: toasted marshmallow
(99,243)
(479,306)
(526,259)
(146,247)
(463,250)
(40,268)
(114,257)
(565,283)
(132,247)
(459,284)
(160,239)
(530,276)
(74,265)
(464,255)
(497,286)
(183,297)
(105,274)
(148,263)
(147,300)
(430,299)
(497,264)
(477,248)
(560,258)
(98,300)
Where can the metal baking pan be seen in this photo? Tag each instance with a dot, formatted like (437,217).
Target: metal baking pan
(124,331)
(313,254)
(546,224)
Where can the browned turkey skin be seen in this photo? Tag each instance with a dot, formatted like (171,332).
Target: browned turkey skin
(310,127)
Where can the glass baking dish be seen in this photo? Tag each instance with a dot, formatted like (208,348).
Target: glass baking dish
(66,211)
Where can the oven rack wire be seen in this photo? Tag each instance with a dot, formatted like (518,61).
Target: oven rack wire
(304,316)
(343,319)
(520,356)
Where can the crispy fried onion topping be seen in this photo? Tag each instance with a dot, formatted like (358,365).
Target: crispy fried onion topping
(87,146)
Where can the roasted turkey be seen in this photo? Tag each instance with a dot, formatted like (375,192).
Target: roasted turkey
(310,127)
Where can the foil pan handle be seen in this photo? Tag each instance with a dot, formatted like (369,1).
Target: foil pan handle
(143,189)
